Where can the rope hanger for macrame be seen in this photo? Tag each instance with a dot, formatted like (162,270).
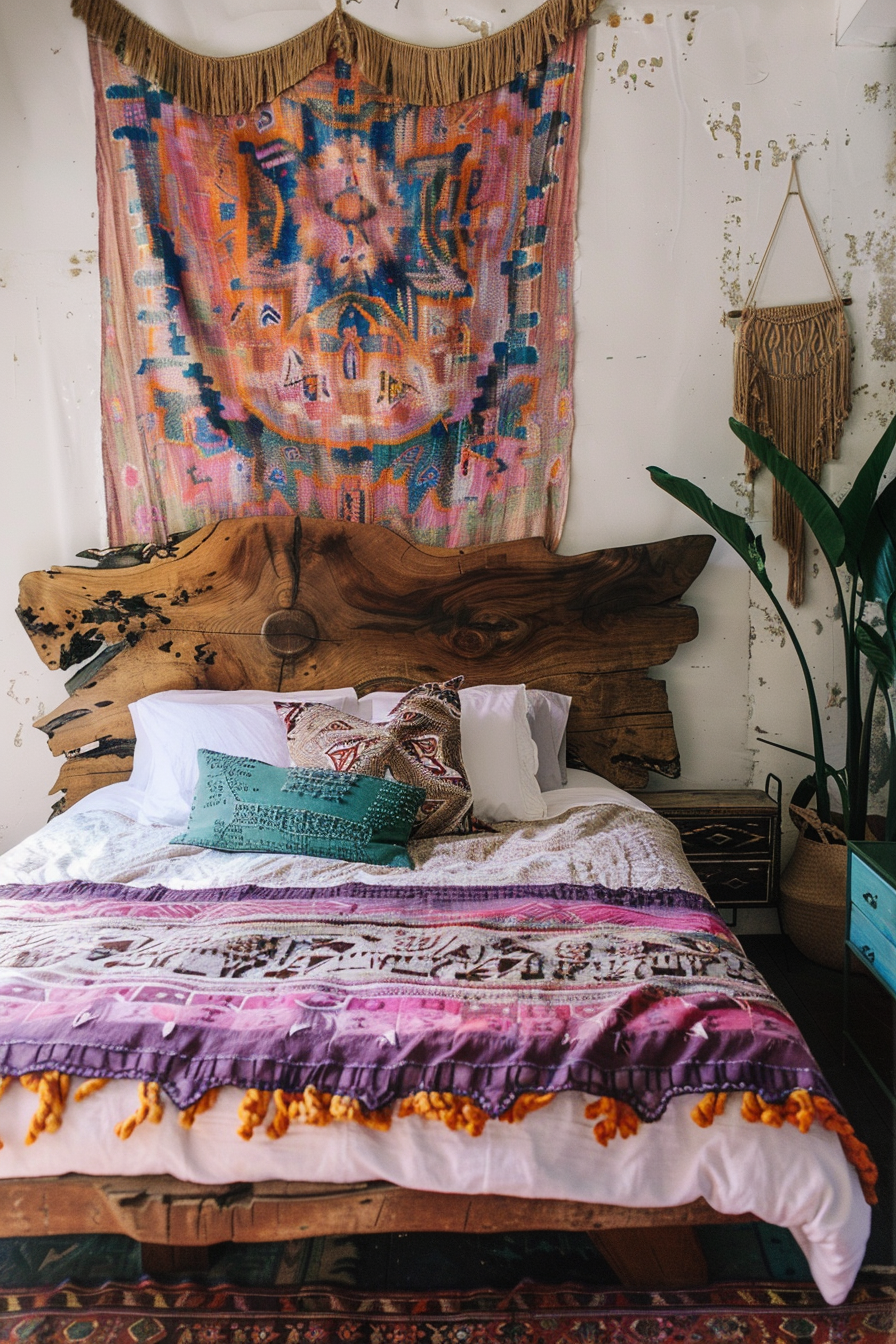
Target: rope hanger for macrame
(793,189)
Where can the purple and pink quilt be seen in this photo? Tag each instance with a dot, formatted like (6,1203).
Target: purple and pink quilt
(379,992)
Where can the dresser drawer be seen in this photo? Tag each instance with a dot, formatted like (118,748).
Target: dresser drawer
(870,945)
(873,897)
(735,881)
(730,838)
(744,836)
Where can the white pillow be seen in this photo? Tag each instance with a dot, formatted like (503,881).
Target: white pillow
(172,726)
(500,756)
(548,712)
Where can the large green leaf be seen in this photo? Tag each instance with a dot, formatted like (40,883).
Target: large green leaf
(878,651)
(821,514)
(730,526)
(740,536)
(856,507)
(877,555)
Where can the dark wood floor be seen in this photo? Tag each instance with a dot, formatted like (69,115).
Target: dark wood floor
(814,995)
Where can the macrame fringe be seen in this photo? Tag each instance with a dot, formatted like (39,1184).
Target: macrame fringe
(223,86)
(792,385)
(800,1110)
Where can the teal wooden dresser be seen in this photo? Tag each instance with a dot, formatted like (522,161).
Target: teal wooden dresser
(870,927)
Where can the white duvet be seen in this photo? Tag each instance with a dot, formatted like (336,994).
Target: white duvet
(798,1181)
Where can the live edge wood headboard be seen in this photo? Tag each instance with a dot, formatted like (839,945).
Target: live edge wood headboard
(289,603)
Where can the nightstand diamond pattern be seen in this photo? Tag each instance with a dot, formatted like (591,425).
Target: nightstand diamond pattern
(730,838)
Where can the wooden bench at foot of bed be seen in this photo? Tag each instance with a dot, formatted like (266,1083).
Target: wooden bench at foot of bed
(176,1221)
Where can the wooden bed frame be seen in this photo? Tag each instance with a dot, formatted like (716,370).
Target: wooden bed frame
(288,603)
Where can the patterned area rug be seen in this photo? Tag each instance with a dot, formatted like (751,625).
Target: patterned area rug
(150,1313)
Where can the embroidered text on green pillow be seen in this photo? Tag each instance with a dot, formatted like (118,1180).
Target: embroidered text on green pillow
(241,804)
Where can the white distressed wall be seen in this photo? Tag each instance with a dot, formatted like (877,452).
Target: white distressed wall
(690,115)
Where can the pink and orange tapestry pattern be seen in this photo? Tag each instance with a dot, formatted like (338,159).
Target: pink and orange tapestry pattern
(339,306)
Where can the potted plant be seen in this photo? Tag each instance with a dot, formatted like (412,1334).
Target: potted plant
(858,541)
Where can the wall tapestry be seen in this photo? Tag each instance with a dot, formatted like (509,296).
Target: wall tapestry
(339,303)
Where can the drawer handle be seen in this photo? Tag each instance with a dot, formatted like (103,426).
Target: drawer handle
(870,897)
(868,954)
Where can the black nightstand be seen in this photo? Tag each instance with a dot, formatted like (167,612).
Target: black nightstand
(732,839)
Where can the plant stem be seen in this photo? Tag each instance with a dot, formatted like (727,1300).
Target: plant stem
(821,782)
(890,832)
(858,814)
(854,723)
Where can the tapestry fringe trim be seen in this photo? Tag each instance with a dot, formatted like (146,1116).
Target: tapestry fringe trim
(223,86)
(310,1107)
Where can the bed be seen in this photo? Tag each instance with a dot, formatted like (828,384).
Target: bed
(541,1023)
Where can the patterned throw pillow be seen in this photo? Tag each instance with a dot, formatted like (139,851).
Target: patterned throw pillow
(418,744)
(241,804)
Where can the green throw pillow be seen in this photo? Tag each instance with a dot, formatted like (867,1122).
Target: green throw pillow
(240,804)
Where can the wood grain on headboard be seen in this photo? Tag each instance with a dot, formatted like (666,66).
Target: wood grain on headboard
(286,603)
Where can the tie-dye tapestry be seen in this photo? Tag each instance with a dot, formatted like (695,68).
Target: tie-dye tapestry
(339,306)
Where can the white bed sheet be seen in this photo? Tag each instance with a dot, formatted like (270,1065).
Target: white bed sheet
(801,1182)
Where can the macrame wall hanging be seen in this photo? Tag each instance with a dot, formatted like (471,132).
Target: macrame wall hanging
(337,277)
(792,384)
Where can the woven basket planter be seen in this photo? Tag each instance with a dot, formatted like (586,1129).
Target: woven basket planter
(813,890)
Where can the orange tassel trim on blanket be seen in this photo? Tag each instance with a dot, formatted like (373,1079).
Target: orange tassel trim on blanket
(613,1117)
(455,1112)
(800,1110)
(4,1084)
(149,1107)
(310,1107)
(205,1103)
(52,1091)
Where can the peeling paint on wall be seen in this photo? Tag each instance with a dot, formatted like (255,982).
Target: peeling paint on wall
(890,168)
(628,73)
(836,696)
(732,128)
(878,250)
(773,625)
(729,277)
(882,94)
(743,491)
(78,261)
(481,27)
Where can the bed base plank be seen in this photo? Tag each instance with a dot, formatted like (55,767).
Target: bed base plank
(163,1260)
(646,1257)
(161,1210)
(653,1257)
(289,603)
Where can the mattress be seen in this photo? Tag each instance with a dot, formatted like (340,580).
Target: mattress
(596,841)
